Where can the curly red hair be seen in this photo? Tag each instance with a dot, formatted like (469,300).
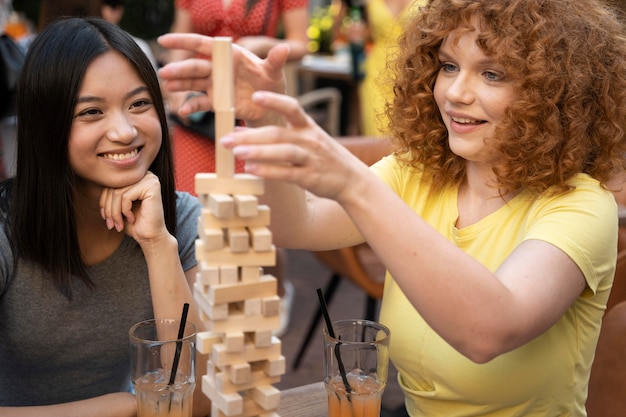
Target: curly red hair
(568,61)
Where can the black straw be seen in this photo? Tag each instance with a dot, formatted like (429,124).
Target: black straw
(179,343)
(331,333)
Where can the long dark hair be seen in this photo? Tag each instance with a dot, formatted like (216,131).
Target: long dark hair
(41,214)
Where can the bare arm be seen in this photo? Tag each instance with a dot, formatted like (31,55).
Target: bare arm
(112,405)
(481,313)
(139,208)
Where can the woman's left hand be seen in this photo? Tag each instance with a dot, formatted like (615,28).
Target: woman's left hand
(251,74)
(136,209)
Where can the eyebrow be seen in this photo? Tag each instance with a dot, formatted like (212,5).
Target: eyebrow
(92,99)
(443,56)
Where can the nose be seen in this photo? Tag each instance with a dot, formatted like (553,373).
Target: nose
(121,129)
(460,89)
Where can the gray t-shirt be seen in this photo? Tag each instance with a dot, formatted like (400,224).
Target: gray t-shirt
(53,350)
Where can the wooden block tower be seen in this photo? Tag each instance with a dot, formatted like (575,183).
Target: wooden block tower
(239,301)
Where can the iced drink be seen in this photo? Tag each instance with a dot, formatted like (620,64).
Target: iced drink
(156,398)
(155,350)
(363,400)
(356,358)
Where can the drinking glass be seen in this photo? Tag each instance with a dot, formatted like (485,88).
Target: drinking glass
(356,361)
(156,351)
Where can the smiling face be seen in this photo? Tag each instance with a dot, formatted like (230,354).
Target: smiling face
(472,92)
(116,132)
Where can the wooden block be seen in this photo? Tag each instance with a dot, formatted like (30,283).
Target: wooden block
(239,372)
(224,158)
(204,200)
(238,239)
(229,274)
(212,237)
(229,404)
(222,206)
(250,409)
(246,205)
(223,103)
(208,183)
(225,256)
(221,357)
(241,322)
(275,366)
(262,338)
(270,306)
(226,293)
(233,342)
(252,307)
(261,238)
(258,378)
(223,75)
(214,312)
(267,396)
(250,273)
(208,274)
(260,220)
(206,340)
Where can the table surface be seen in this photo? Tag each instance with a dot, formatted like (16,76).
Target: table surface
(304,401)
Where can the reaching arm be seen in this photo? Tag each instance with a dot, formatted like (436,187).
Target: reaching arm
(481,313)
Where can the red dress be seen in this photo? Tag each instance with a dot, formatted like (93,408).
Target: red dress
(193,152)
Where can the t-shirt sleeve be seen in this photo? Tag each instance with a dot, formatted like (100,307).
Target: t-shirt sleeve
(583,224)
(6,260)
(188,209)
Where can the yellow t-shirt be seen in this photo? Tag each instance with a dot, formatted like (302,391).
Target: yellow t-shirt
(549,375)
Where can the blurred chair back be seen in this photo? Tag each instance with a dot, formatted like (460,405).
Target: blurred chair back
(607,383)
(324,106)
(358,263)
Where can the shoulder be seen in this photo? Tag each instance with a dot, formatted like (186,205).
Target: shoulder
(398,174)
(587,196)
(187,207)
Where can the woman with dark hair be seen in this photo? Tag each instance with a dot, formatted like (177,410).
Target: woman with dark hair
(94,237)
(493,216)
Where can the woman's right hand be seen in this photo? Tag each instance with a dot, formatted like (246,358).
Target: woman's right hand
(251,74)
(300,153)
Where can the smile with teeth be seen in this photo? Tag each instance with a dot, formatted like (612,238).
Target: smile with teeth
(120,156)
(465,121)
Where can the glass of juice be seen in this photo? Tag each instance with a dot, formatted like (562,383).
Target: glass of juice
(155,352)
(356,361)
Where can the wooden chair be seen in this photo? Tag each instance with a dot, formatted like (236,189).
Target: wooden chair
(607,383)
(358,263)
(324,106)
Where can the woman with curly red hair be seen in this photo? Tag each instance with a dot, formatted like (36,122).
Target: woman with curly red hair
(493,216)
